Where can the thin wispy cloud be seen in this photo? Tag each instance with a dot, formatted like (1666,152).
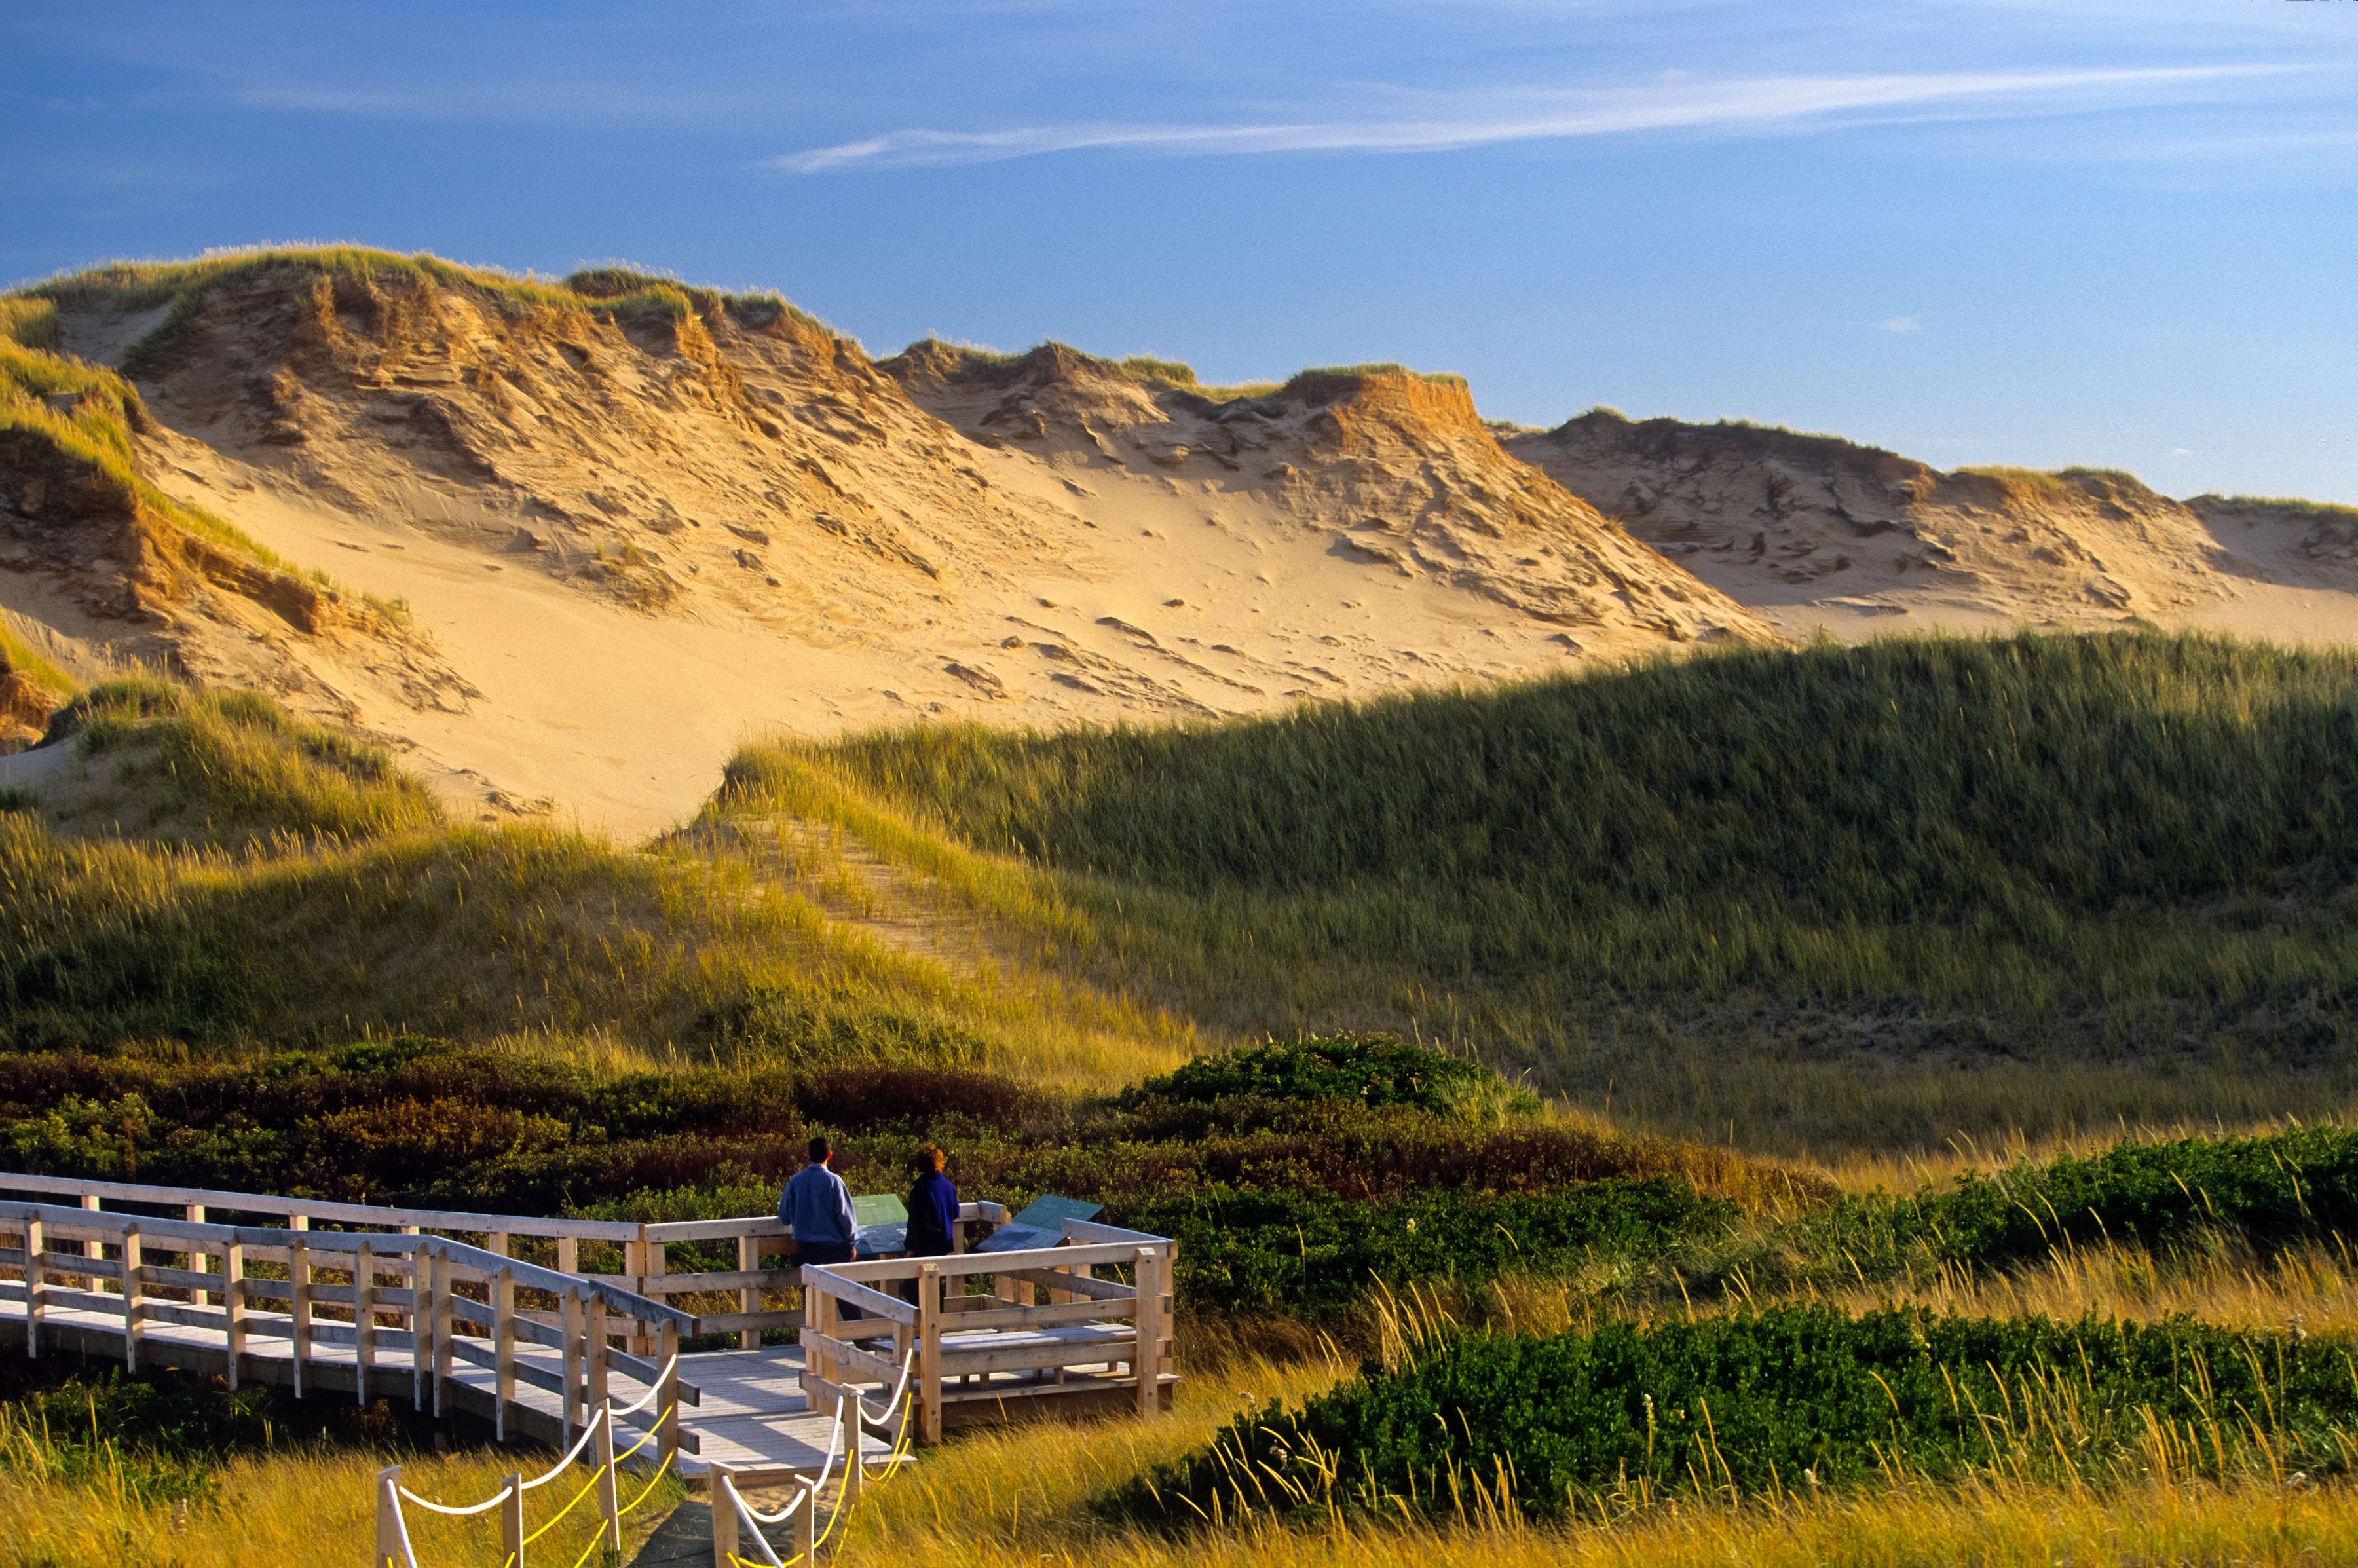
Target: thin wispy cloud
(1903,325)
(1673,103)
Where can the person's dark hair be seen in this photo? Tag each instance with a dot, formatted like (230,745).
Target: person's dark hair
(820,1148)
(929,1158)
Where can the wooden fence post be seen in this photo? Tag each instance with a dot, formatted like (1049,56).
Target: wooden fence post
(668,1392)
(233,1307)
(445,1325)
(35,1291)
(568,1254)
(806,1526)
(609,1502)
(847,1421)
(298,1283)
(389,1553)
(503,1351)
(1146,1357)
(818,1316)
(571,1363)
(749,1298)
(92,1248)
(363,1321)
(512,1522)
(600,1389)
(194,1213)
(133,1304)
(421,1325)
(724,1516)
(929,1351)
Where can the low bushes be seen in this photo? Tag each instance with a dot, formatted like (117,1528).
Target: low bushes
(1370,1069)
(1277,1251)
(1790,1399)
(2268,1191)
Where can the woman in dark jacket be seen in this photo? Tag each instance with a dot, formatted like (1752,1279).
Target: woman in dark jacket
(933,1207)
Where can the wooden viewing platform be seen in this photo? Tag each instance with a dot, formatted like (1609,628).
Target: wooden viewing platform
(394,1302)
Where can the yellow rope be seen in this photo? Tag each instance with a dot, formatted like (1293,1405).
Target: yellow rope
(648,1487)
(596,1538)
(568,1508)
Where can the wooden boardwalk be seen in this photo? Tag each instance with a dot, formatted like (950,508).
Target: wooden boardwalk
(398,1311)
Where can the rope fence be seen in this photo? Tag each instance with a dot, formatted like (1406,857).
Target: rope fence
(735,1519)
(394,1549)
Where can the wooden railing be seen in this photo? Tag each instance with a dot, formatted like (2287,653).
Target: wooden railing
(85,1275)
(1011,1344)
(764,1267)
(1092,1317)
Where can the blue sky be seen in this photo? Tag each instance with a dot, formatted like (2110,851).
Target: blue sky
(2039,231)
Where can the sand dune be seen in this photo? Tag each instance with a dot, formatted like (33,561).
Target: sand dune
(585,540)
(635,540)
(1818,533)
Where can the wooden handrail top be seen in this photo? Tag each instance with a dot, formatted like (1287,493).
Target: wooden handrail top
(97,1225)
(1089,1231)
(341,1213)
(764,1225)
(981,1263)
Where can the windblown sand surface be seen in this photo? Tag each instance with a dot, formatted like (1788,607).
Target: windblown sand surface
(1817,533)
(602,549)
(632,550)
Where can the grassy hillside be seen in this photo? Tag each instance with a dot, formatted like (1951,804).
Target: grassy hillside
(2106,876)
(210,872)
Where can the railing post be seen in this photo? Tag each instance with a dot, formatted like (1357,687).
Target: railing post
(609,1500)
(298,1285)
(415,1325)
(512,1522)
(749,1298)
(1146,1357)
(194,1213)
(806,1526)
(724,1516)
(668,1392)
(818,1316)
(363,1321)
(132,1297)
(445,1325)
(92,1248)
(421,1325)
(568,1254)
(569,1362)
(853,1427)
(233,1307)
(601,1388)
(35,1291)
(503,1350)
(929,1351)
(390,1553)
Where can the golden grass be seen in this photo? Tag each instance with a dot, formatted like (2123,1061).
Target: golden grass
(299,1509)
(1021,1495)
(18,655)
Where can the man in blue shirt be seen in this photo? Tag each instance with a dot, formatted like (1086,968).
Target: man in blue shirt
(816,1207)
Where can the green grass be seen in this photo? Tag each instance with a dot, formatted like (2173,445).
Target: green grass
(232,879)
(2293,504)
(2264,1193)
(1785,1401)
(17,655)
(230,768)
(182,286)
(2114,874)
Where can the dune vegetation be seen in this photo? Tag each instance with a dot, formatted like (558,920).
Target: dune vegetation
(1861,897)
(1421,1024)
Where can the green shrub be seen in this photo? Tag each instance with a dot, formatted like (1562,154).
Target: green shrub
(1787,1400)
(1370,1068)
(1304,1253)
(2267,1192)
